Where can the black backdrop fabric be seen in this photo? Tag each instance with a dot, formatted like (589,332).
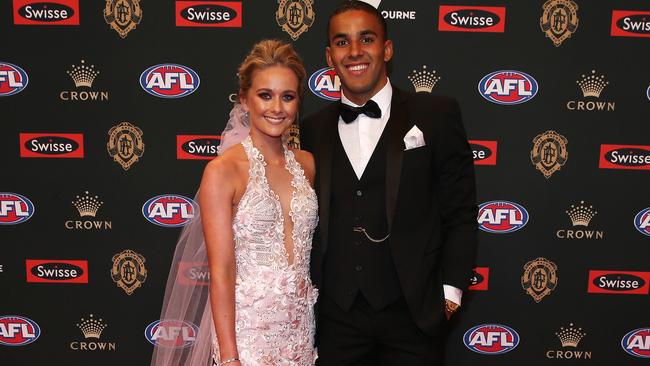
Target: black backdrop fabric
(563,262)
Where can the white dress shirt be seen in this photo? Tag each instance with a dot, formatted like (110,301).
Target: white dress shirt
(359,139)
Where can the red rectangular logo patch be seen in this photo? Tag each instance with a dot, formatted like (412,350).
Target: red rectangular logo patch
(618,282)
(225,14)
(484,152)
(636,157)
(51,145)
(472,19)
(480,279)
(46,12)
(197,147)
(626,23)
(193,273)
(57,270)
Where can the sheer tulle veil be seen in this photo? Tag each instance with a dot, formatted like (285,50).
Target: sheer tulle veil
(187,300)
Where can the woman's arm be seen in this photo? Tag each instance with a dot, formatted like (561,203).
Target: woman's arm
(216,201)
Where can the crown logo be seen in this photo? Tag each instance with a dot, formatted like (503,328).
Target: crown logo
(592,85)
(91,328)
(581,215)
(570,337)
(423,81)
(83,75)
(87,205)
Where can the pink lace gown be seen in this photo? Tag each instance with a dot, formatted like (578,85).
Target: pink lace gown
(274,300)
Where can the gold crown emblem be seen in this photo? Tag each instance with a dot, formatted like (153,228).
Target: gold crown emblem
(423,81)
(91,328)
(87,205)
(592,85)
(83,75)
(570,337)
(581,215)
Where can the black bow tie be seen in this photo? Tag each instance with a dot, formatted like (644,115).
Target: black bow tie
(350,113)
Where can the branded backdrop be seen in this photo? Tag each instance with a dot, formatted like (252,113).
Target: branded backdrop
(111,109)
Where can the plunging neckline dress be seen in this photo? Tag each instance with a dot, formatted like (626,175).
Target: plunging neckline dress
(274,299)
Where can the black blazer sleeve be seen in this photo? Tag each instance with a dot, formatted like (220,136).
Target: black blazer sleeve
(456,193)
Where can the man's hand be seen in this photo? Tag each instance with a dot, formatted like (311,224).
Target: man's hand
(450,308)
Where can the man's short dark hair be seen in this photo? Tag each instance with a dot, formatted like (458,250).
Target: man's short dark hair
(350,5)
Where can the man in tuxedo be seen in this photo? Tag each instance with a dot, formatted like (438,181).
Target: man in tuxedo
(395,180)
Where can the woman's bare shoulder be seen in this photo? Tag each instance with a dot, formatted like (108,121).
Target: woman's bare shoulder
(227,167)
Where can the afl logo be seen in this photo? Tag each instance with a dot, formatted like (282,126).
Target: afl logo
(501,217)
(637,343)
(13,79)
(171,333)
(18,331)
(325,83)
(169,81)
(169,210)
(491,339)
(508,87)
(642,221)
(14,208)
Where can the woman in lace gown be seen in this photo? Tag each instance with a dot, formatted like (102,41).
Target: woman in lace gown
(259,212)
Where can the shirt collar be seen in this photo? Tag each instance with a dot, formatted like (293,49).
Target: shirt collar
(382,98)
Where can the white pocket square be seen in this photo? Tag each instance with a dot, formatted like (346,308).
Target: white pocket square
(414,138)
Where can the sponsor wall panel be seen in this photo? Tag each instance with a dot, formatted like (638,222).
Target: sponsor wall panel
(110,115)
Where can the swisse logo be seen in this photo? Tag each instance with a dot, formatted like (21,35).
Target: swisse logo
(642,221)
(627,23)
(197,146)
(51,145)
(326,84)
(15,208)
(169,81)
(491,339)
(18,331)
(57,271)
(480,279)
(635,157)
(619,282)
(193,273)
(171,333)
(169,210)
(501,217)
(472,18)
(637,343)
(508,87)
(50,12)
(484,152)
(13,79)
(208,14)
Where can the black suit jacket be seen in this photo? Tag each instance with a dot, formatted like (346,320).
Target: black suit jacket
(430,199)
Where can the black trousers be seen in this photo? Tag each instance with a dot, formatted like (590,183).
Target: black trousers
(365,337)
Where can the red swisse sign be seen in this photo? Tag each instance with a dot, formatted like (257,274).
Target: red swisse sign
(618,282)
(46,12)
(209,14)
(51,145)
(197,146)
(635,157)
(57,270)
(480,279)
(627,23)
(484,152)
(193,273)
(472,18)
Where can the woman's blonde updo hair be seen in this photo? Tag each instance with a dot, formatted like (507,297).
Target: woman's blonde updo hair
(267,53)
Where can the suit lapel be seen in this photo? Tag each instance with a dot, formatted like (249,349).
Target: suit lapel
(330,123)
(396,129)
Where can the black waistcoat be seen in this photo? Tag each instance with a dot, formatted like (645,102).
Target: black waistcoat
(353,263)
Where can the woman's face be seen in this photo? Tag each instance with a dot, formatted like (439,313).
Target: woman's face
(272,100)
